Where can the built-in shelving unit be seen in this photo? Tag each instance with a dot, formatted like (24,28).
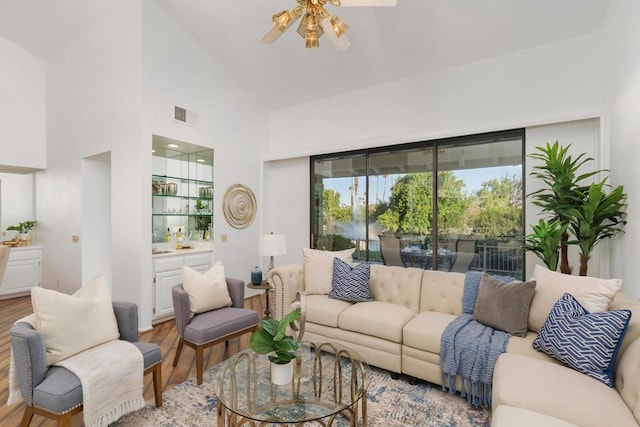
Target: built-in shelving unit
(182,190)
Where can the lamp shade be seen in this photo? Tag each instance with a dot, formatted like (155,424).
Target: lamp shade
(272,245)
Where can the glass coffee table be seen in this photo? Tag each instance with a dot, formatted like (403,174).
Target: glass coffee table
(329,388)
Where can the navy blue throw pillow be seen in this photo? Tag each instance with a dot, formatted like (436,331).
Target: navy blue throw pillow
(587,342)
(351,283)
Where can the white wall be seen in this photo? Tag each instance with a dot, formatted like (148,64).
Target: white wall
(178,71)
(94,106)
(22,108)
(548,83)
(622,66)
(286,204)
(552,83)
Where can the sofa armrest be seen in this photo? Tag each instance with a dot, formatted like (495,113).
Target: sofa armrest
(236,292)
(30,358)
(127,317)
(285,281)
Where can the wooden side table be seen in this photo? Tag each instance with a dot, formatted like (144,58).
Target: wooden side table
(264,285)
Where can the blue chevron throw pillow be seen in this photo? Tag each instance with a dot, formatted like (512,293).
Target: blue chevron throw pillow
(351,283)
(587,342)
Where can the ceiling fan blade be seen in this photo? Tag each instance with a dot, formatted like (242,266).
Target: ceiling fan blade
(383,3)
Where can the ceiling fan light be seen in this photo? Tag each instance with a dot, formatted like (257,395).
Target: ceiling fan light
(339,43)
(311,40)
(281,21)
(339,26)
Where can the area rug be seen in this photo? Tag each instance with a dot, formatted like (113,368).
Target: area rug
(392,403)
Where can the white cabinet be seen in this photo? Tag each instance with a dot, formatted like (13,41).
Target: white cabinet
(23,270)
(168,273)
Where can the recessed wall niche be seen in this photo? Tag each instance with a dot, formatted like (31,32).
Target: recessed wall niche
(182,190)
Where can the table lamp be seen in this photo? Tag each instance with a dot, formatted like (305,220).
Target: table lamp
(272,245)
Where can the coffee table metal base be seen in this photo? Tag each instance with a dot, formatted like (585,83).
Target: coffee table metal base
(350,414)
(329,388)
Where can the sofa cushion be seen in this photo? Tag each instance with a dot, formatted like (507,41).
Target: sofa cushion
(504,306)
(441,291)
(522,346)
(396,285)
(350,284)
(557,391)
(318,269)
(323,310)
(207,291)
(379,319)
(592,293)
(425,330)
(586,342)
(73,323)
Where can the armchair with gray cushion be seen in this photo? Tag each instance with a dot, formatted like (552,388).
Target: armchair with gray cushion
(54,392)
(207,329)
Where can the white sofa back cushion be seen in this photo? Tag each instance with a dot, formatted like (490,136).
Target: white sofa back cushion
(396,285)
(442,292)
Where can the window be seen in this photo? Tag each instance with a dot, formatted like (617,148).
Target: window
(454,204)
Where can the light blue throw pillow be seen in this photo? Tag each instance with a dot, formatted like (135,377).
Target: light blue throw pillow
(587,342)
(351,283)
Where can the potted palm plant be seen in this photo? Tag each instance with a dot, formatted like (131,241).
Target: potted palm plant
(560,172)
(272,339)
(585,211)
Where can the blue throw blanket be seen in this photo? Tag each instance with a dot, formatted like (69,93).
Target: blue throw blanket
(469,350)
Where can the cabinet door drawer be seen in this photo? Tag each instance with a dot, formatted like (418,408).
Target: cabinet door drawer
(19,255)
(21,275)
(166,264)
(164,283)
(198,260)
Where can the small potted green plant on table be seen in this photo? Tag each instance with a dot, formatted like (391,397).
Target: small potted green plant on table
(272,339)
(23,228)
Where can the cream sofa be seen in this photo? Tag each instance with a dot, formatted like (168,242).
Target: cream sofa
(400,331)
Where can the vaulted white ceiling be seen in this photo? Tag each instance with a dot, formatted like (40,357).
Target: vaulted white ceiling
(387,44)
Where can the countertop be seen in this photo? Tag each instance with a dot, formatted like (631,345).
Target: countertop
(161,250)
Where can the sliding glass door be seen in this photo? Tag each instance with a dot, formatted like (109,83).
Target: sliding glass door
(453,205)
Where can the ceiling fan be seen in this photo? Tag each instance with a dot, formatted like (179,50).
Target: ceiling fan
(317,21)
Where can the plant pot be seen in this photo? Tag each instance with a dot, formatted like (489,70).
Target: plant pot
(24,236)
(281,374)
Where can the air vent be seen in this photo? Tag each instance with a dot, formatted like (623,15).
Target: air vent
(185,116)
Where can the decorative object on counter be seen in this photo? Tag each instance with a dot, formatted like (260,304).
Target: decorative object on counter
(239,206)
(23,228)
(272,339)
(12,243)
(272,245)
(256,275)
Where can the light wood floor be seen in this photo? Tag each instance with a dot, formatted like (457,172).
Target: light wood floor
(163,334)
